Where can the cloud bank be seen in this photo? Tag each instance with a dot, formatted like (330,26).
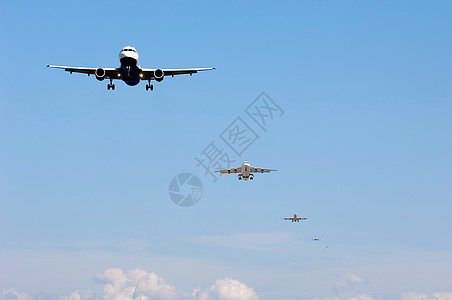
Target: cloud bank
(422,296)
(139,284)
(11,294)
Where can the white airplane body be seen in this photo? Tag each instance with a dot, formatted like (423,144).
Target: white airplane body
(295,218)
(245,171)
(130,71)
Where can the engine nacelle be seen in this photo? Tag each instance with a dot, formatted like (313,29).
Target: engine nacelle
(158,75)
(100,74)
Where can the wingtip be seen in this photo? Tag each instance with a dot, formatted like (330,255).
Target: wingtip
(47,66)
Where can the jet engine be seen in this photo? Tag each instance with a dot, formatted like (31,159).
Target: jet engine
(158,75)
(100,74)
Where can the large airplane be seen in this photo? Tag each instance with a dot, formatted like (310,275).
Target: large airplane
(130,71)
(245,171)
(295,218)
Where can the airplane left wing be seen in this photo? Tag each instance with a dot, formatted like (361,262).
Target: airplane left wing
(234,170)
(261,170)
(147,74)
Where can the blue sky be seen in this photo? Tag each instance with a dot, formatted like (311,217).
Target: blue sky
(363,148)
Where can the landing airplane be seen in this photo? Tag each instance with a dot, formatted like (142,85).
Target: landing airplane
(245,171)
(130,71)
(295,218)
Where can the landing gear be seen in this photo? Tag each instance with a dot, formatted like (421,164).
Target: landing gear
(240,176)
(111,85)
(149,86)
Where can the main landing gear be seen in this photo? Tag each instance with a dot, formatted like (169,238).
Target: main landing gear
(240,176)
(111,85)
(149,86)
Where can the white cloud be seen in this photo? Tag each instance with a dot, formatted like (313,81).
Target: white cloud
(361,296)
(423,296)
(73,296)
(348,283)
(347,287)
(135,285)
(226,289)
(415,296)
(78,295)
(443,295)
(11,294)
(349,296)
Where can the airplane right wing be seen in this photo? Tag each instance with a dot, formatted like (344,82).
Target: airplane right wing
(261,170)
(109,72)
(228,171)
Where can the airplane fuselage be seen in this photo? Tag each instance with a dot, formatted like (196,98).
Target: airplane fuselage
(130,66)
(245,171)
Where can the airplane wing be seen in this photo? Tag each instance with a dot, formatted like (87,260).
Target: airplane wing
(146,74)
(149,73)
(260,170)
(109,72)
(288,219)
(234,170)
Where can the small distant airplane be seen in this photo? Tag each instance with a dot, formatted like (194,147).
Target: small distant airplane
(316,239)
(245,171)
(130,71)
(295,218)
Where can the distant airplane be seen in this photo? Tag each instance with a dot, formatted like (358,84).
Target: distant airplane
(295,218)
(316,239)
(130,71)
(245,171)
